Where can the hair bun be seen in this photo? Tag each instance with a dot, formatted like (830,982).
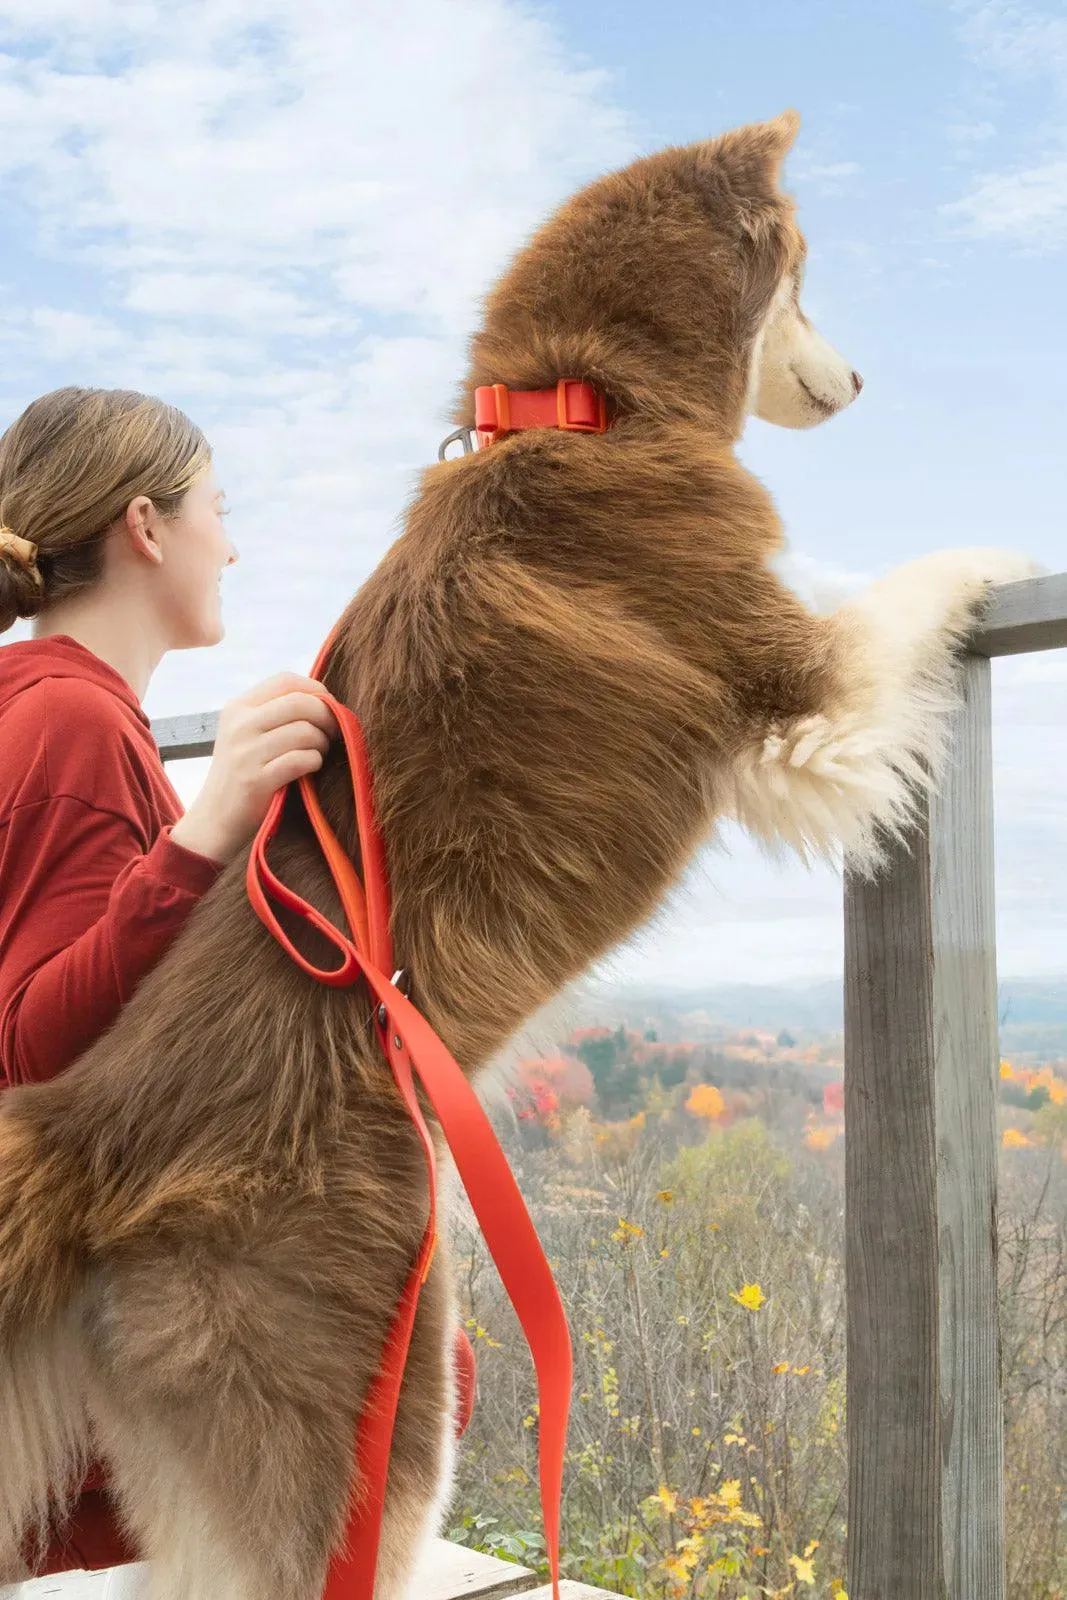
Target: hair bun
(21,583)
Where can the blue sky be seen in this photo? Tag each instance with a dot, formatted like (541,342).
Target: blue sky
(281,216)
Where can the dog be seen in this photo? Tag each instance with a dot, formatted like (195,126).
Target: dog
(575,659)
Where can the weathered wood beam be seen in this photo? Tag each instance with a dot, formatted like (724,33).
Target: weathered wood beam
(1026,617)
(180,738)
(925,1441)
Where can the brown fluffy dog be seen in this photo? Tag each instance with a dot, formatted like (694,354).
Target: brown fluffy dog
(575,658)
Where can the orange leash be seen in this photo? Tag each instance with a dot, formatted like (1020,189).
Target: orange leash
(414,1050)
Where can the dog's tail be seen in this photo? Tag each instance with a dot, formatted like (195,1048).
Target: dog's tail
(43,1424)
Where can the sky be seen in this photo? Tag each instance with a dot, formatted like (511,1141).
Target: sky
(281,215)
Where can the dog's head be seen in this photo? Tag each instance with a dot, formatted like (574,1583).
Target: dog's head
(796,378)
(675,285)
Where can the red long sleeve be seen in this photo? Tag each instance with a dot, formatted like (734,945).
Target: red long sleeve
(92,888)
(75,955)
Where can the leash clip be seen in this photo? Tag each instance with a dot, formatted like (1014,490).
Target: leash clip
(464,436)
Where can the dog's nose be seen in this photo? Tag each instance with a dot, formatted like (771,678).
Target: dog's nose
(857,382)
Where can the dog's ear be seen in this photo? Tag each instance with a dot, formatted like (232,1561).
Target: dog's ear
(752,156)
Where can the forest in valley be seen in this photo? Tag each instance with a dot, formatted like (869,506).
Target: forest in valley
(690,1197)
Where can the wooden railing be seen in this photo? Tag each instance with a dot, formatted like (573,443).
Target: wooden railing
(925,1431)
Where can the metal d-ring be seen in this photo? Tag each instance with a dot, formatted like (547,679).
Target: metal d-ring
(401,981)
(462,436)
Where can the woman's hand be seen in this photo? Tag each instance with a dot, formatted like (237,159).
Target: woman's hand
(278,731)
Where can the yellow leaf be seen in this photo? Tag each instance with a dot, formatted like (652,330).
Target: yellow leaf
(667,1499)
(805,1570)
(783,1366)
(666,1195)
(751,1296)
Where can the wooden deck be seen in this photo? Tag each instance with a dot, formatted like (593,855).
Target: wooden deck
(459,1574)
(451,1573)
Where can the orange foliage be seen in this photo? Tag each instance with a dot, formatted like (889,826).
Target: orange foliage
(821,1138)
(706,1101)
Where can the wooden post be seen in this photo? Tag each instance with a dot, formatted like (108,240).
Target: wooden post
(925,1441)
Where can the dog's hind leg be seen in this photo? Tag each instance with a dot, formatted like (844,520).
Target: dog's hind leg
(272,1533)
(846,772)
(44,1434)
(261,1532)
(45,1443)
(224,1391)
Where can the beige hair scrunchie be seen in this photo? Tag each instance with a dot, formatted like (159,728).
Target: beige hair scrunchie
(23,552)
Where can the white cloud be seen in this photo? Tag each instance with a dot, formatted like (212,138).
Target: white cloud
(1026,200)
(821,585)
(1029,205)
(281,215)
(1016,40)
(967,134)
(824,177)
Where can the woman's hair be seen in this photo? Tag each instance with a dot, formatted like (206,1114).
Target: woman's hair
(69,467)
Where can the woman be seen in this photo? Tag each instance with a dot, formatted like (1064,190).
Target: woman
(111,538)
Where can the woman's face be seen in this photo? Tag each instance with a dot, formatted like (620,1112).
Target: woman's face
(195,550)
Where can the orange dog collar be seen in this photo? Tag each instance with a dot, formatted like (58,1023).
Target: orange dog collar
(572,405)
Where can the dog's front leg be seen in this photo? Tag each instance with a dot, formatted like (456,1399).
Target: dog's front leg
(846,773)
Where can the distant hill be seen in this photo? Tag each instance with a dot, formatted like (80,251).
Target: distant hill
(815,1008)
(1031,1009)
(1027,1001)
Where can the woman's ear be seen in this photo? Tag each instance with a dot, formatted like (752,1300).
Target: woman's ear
(141,522)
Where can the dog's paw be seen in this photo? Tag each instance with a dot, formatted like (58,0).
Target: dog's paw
(945,595)
(967,580)
(979,568)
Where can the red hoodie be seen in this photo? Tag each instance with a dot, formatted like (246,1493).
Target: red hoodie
(93,887)
(93,890)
